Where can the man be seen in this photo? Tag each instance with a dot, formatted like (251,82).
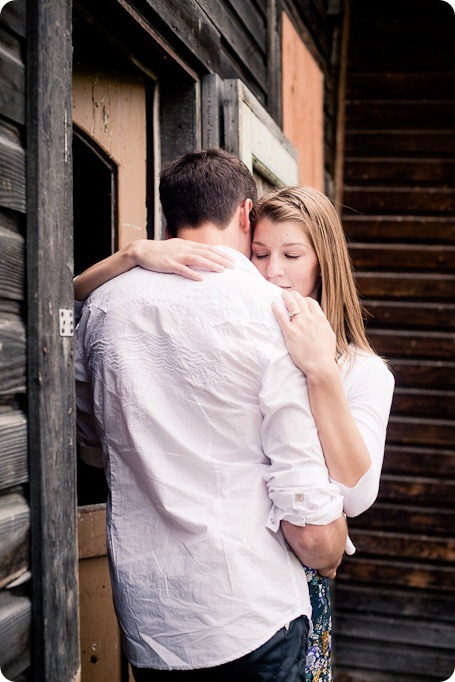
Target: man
(210,451)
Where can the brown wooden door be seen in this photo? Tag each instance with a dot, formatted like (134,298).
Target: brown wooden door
(109,113)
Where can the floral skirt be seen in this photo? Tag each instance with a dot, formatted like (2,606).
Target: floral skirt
(318,664)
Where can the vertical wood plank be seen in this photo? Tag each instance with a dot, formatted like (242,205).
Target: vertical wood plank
(50,357)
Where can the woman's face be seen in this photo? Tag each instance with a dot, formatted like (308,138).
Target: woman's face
(283,254)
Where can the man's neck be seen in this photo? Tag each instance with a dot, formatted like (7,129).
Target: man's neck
(212,235)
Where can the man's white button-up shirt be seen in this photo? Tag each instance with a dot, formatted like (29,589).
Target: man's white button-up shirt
(208,442)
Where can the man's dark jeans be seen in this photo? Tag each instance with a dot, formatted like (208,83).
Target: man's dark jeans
(281,659)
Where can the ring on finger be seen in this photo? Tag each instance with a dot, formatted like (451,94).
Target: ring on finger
(296,312)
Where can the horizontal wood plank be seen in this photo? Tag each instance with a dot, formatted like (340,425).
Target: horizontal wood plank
(347,674)
(11,265)
(424,402)
(418,113)
(397,228)
(415,603)
(193,28)
(413,344)
(12,174)
(424,84)
(403,545)
(428,258)
(249,52)
(397,573)
(14,537)
(15,624)
(399,518)
(398,630)
(397,658)
(417,491)
(426,432)
(253,19)
(419,461)
(12,78)
(423,374)
(386,57)
(406,285)
(13,17)
(400,142)
(404,200)
(410,314)
(13,449)
(12,356)
(385,171)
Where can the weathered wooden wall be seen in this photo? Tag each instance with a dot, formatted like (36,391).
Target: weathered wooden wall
(15,603)
(396,597)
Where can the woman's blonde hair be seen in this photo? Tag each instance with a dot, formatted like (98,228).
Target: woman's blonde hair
(338,294)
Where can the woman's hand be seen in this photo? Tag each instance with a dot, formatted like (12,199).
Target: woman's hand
(177,256)
(172,255)
(309,338)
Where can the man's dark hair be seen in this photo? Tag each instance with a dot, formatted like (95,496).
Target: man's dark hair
(205,186)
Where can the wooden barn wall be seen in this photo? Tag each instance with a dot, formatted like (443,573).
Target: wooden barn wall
(15,604)
(395,598)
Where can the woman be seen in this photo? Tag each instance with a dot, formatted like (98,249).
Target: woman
(299,245)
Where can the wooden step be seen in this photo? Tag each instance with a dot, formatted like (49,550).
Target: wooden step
(389,84)
(419,143)
(404,114)
(398,228)
(403,256)
(375,170)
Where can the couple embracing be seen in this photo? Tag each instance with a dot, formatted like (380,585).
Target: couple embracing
(236,429)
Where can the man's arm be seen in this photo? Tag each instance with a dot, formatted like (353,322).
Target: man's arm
(306,505)
(319,547)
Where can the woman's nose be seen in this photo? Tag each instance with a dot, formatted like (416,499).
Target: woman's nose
(274,269)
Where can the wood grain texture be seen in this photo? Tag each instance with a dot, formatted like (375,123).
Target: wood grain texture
(12,356)
(14,537)
(50,361)
(13,449)
(12,173)
(11,265)
(13,17)
(395,598)
(12,78)
(15,621)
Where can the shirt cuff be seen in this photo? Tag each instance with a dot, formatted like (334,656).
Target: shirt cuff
(302,504)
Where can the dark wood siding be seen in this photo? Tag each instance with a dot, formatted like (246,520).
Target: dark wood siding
(15,603)
(395,599)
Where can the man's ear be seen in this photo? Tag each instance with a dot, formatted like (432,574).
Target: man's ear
(245,210)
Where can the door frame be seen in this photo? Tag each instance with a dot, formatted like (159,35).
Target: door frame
(55,619)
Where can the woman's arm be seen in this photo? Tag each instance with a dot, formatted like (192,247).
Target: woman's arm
(352,433)
(172,255)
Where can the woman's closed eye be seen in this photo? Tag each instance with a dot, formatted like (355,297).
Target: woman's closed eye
(260,255)
(292,255)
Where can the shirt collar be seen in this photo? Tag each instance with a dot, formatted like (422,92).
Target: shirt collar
(240,260)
